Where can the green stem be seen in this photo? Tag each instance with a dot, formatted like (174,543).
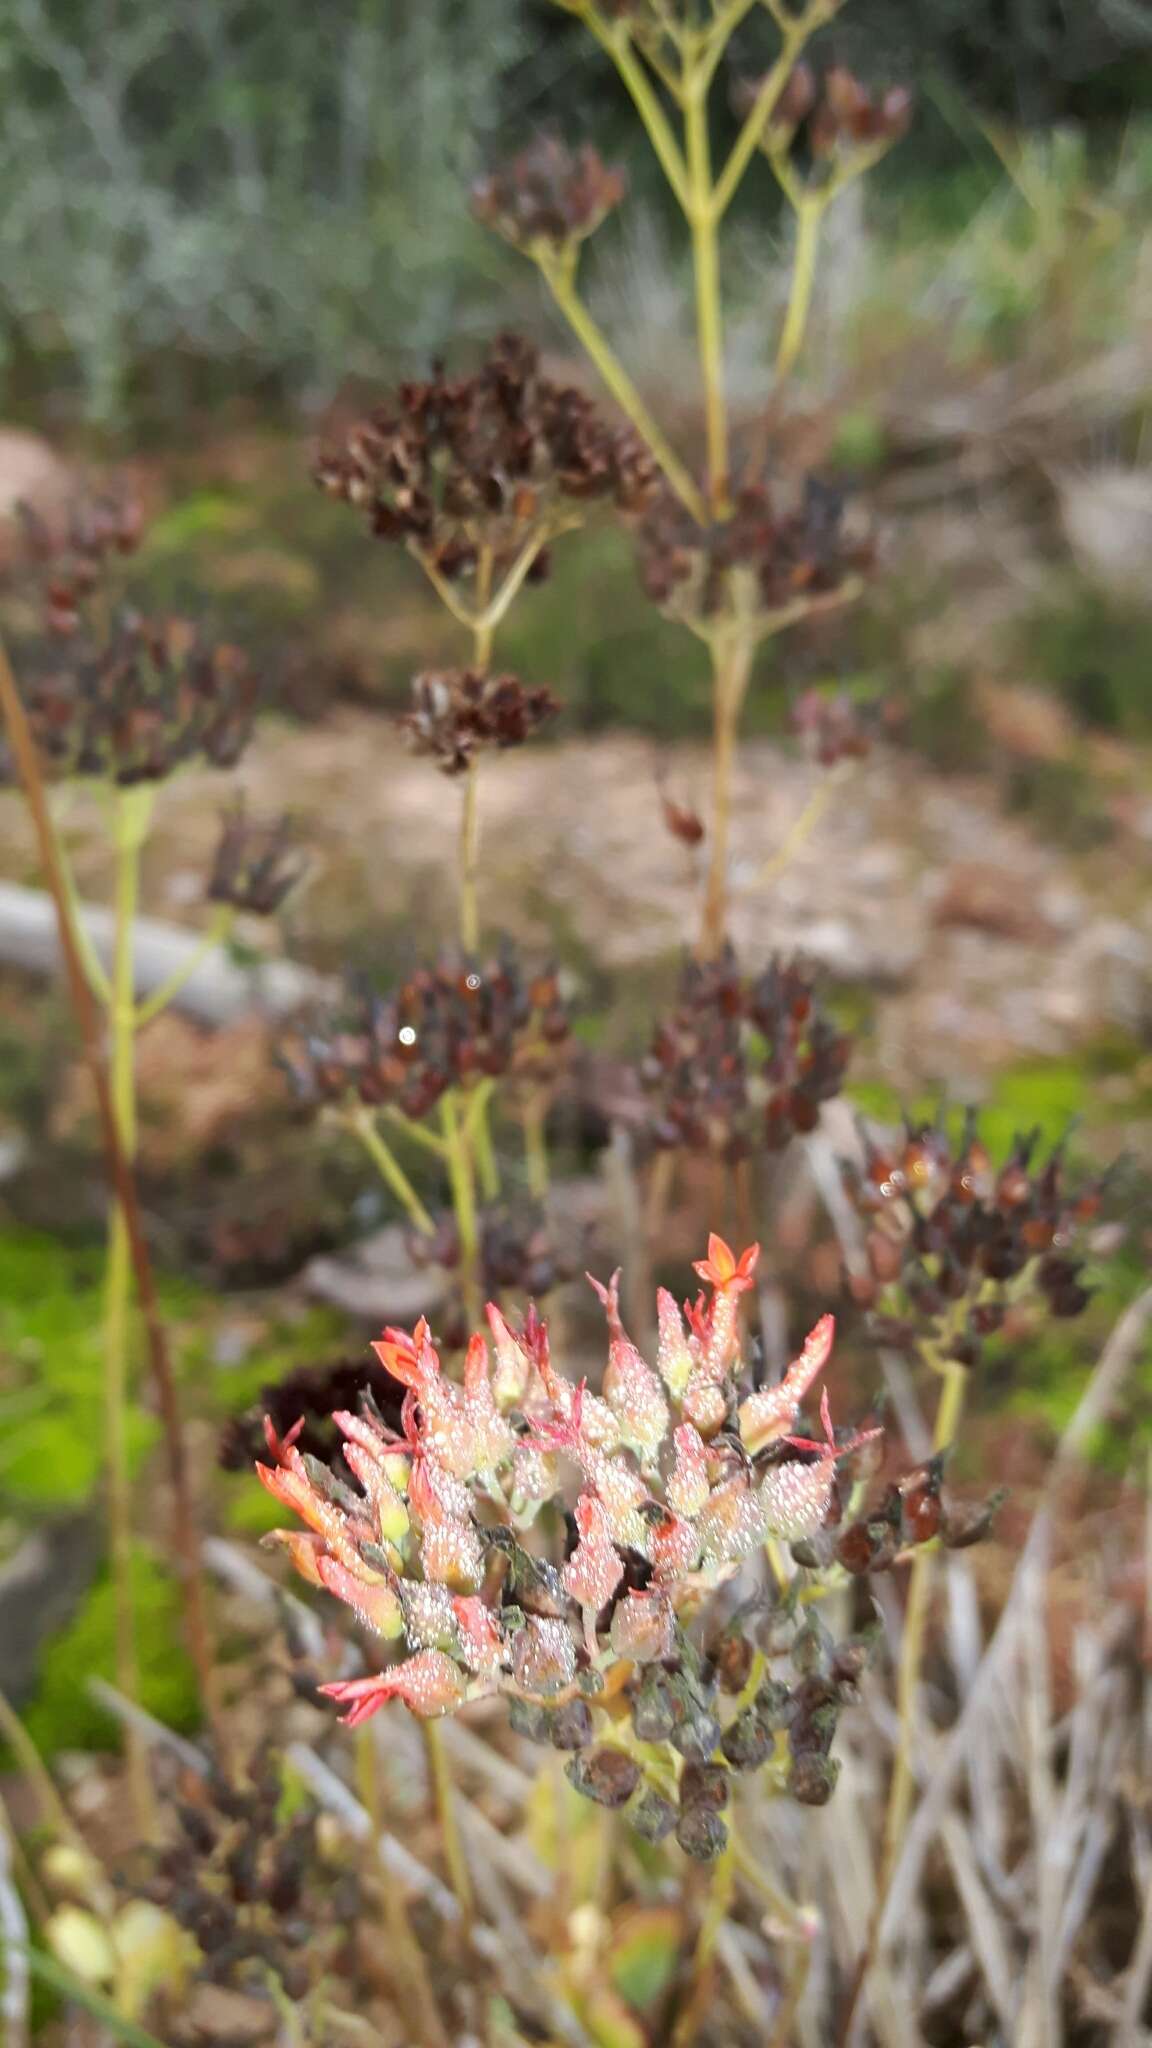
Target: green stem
(731,669)
(478,1133)
(561,283)
(133,809)
(901,1790)
(390,1170)
(614,39)
(810,210)
(536,1143)
(701,216)
(469,859)
(404,1952)
(462,1181)
(223,918)
(444,1791)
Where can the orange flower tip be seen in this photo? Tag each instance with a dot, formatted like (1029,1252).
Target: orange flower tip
(723,1269)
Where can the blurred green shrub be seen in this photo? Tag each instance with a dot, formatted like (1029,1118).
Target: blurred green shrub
(277,190)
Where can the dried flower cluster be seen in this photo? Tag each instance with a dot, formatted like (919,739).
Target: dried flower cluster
(679,1474)
(776,550)
(258,862)
(953,1242)
(742,1062)
(832,124)
(461,712)
(518,1252)
(253,1887)
(490,464)
(74,560)
(448,1025)
(549,196)
(132,709)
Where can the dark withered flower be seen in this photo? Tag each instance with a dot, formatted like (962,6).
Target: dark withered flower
(778,552)
(490,463)
(311,1394)
(828,127)
(258,862)
(448,1025)
(549,196)
(742,1062)
(73,558)
(460,712)
(135,707)
(250,1879)
(955,1244)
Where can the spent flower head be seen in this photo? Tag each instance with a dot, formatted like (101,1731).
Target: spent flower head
(484,467)
(955,1243)
(780,551)
(258,861)
(827,127)
(743,1062)
(548,197)
(150,696)
(448,1025)
(458,713)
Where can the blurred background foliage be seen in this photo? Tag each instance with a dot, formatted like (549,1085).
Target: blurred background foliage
(226,195)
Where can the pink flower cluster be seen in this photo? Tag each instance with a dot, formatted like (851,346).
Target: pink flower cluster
(665,1464)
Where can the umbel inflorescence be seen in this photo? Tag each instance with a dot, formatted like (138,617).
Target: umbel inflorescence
(522,1535)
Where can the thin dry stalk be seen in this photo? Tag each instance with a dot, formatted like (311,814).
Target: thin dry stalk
(124,1189)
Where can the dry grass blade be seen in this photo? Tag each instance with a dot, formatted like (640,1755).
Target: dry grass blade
(984,1922)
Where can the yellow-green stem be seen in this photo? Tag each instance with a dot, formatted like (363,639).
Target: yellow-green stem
(902,1788)
(132,815)
(390,1170)
(721,1887)
(469,859)
(458,1153)
(809,214)
(799,833)
(536,1143)
(219,927)
(706,270)
(440,1772)
(615,39)
(404,1953)
(732,667)
(619,383)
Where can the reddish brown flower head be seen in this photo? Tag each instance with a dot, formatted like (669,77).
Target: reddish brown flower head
(492,463)
(954,1244)
(782,549)
(447,1026)
(461,712)
(742,1063)
(549,196)
(258,862)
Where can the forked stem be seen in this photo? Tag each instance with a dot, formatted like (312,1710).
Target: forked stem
(390,1170)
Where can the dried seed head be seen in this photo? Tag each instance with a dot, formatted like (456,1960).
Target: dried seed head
(459,713)
(258,862)
(549,197)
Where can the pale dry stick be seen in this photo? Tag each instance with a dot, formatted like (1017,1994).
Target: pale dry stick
(84,1005)
(1043,2014)
(15,1939)
(985,1923)
(1100,1395)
